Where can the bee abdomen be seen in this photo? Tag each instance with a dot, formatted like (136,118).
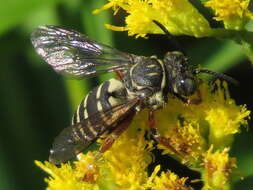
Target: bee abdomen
(100,100)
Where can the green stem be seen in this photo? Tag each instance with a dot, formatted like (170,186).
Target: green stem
(227,56)
(223,33)
(243,38)
(247,48)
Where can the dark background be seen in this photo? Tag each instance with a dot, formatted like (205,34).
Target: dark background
(36,103)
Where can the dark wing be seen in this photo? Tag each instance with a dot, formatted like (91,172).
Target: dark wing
(76,55)
(74,139)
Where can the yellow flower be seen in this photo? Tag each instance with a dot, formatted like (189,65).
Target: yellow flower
(124,166)
(193,128)
(178,16)
(168,181)
(234,13)
(224,117)
(128,159)
(217,169)
(65,177)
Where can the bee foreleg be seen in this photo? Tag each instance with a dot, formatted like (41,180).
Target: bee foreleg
(197,100)
(157,136)
(183,99)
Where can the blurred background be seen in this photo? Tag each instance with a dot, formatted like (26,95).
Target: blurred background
(36,103)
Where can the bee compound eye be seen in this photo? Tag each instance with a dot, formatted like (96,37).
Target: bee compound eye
(186,87)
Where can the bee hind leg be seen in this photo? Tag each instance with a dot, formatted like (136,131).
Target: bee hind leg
(108,142)
(157,136)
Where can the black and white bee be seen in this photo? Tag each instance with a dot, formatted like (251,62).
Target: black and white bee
(143,82)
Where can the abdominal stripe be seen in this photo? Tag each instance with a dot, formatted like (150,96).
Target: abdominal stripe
(94,111)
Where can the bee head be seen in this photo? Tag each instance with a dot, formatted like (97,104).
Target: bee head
(181,78)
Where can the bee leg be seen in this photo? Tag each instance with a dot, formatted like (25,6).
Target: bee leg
(108,142)
(170,36)
(120,75)
(197,100)
(183,99)
(157,136)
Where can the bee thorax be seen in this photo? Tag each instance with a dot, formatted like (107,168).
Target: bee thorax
(146,80)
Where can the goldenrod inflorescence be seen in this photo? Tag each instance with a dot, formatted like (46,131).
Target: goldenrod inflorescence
(179,17)
(234,13)
(183,18)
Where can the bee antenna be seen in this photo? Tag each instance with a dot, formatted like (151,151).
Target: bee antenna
(169,35)
(218,75)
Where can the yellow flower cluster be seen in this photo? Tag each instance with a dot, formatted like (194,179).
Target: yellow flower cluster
(178,16)
(193,131)
(127,159)
(167,180)
(124,166)
(234,13)
(65,177)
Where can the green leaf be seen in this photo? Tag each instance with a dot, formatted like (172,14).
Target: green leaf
(243,38)
(227,56)
(94,23)
(245,183)
(46,15)
(216,55)
(246,41)
(77,90)
(14,12)
(6,174)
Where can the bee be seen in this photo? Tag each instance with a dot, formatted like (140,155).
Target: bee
(143,82)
